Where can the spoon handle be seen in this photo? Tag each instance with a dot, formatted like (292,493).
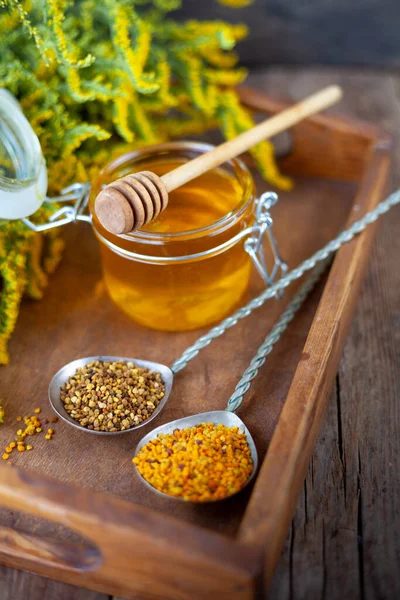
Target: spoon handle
(268,128)
(274,336)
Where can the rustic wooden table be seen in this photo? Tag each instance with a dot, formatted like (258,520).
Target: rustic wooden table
(344,541)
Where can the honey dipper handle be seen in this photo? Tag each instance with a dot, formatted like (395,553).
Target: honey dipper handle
(134,200)
(268,128)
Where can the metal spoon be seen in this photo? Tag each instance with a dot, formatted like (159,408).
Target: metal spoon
(220,417)
(228,417)
(70,369)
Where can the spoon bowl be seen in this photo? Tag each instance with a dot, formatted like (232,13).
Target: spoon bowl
(70,369)
(217,417)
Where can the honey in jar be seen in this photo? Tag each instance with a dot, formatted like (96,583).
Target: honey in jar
(184,270)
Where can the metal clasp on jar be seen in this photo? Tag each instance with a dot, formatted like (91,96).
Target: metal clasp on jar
(78,193)
(254,244)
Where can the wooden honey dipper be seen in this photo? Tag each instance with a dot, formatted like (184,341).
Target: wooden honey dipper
(134,200)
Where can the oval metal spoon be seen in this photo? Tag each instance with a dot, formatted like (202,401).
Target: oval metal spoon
(228,417)
(70,369)
(223,417)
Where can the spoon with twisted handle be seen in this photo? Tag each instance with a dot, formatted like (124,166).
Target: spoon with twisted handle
(136,199)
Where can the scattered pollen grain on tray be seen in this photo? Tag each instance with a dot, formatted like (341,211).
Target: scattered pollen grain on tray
(29,426)
(202,463)
(112,396)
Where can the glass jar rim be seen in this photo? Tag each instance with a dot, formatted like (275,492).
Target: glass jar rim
(218,226)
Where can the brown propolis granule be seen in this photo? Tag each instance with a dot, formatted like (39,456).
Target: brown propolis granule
(200,464)
(112,396)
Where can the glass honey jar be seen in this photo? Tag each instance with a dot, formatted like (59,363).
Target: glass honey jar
(190,266)
(185,269)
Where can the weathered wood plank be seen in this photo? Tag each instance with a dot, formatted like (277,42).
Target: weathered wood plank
(321,555)
(370,379)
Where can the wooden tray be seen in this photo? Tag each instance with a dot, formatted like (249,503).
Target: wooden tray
(85,516)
